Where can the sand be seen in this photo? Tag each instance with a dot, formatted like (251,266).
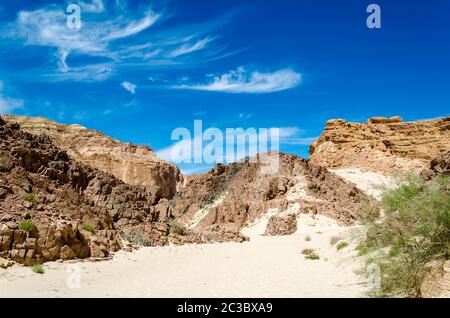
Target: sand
(263,267)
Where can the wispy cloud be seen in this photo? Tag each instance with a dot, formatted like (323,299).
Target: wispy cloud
(129,87)
(190,47)
(99,44)
(243,80)
(7,104)
(94,6)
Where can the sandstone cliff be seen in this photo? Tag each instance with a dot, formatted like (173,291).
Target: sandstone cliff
(382,144)
(133,164)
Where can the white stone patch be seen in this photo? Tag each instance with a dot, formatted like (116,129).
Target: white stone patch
(371,183)
(200,214)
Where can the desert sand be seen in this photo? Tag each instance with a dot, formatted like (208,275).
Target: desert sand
(263,267)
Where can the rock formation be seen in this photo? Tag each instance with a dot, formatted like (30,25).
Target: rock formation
(133,164)
(221,201)
(382,145)
(52,207)
(281,225)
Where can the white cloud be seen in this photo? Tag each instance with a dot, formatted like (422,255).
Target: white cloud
(242,80)
(129,87)
(190,47)
(98,43)
(7,105)
(47,27)
(96,6)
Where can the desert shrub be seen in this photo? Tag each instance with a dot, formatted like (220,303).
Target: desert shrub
(176,227)
(30,197)
(165,239)
(27,226)
(89,227)
(414,232)
(307,238)
(341,245)
(38,269)
(312,256)
(135,237)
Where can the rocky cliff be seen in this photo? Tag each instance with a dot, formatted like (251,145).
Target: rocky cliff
(382,144)
(53,207)
(133,164)
(220,202)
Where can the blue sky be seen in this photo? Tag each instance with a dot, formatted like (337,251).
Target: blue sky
(136,70)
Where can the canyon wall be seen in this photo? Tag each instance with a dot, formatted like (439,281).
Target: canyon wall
(133,164)
(383,145)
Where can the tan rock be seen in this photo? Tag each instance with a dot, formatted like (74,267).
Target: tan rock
(281,225)
(67,253)
(133,164)
(383,145)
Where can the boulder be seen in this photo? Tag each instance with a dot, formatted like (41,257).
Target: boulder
(281,225)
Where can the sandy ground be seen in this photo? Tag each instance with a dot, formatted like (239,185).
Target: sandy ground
(263,267)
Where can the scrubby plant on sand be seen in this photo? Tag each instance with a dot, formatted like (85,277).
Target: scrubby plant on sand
(38,269)
(414,232)
(341,245)
(312,256)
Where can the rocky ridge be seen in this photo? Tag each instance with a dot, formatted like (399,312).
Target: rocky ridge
(220,202)
(53,207)
(133,164)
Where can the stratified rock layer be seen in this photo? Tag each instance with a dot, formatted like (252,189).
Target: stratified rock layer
(382,145)
(133,164)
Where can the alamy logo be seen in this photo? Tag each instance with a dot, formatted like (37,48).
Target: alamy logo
(236,144)
(74,16)
(374,19)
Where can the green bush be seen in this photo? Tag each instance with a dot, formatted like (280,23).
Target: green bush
(414,232)
(30,197)
(38,269)
(341,245)
(165,239)
(136,237)
(27,226)
(89,227)
(312,256)
(176,227)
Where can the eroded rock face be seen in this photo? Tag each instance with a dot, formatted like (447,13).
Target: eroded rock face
(382,145)
(219,202)
(72,210)
(133,164)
